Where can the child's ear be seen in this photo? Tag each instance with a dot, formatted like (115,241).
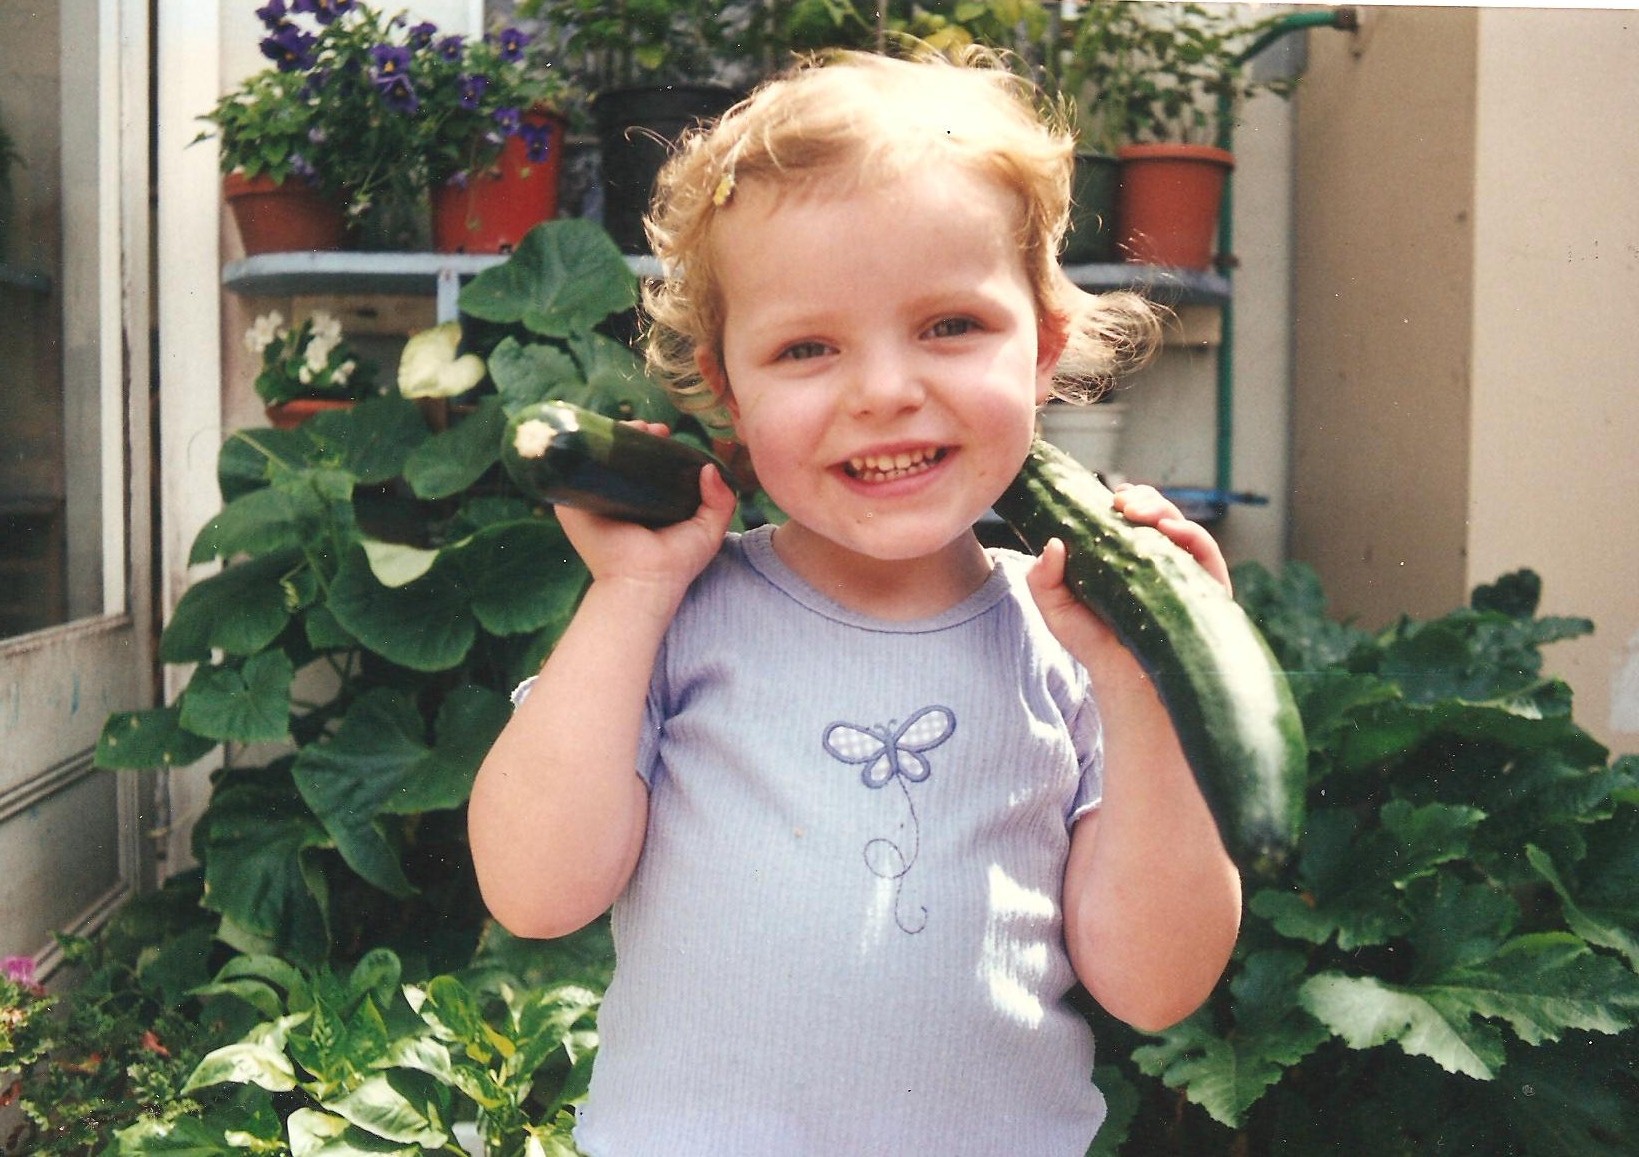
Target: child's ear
(710,365)
(1052,335)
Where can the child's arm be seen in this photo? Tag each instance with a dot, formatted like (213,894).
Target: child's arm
(1152,902)
(558,811)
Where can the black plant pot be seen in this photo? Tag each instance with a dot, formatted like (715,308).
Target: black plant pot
(636,129)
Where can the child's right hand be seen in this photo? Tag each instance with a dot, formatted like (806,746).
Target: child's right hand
(663,561)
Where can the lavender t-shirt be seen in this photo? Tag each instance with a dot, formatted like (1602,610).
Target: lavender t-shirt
(844,933)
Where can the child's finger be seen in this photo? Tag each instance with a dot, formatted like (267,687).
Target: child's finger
(1198,541)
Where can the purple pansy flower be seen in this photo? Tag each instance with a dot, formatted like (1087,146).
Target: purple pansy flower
(537,141)
(290,49)
(272,14)
(508,120)
(511,42)
(421,35)
(450,48)
(392,77)
(472,90)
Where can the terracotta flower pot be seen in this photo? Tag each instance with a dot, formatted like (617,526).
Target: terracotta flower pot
(1167,204)
(282,218)
(289,415)
(493,210)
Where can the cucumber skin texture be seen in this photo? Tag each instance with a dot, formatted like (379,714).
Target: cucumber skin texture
(595,463)
(1229,701)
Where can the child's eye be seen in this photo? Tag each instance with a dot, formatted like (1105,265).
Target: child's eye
(952,327)
(803,350)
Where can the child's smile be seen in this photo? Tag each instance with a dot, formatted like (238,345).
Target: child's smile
(884,362)
(889,466)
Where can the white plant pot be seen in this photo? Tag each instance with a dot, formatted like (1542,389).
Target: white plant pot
(1091,434)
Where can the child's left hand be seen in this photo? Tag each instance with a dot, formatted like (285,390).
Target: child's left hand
(1081,631)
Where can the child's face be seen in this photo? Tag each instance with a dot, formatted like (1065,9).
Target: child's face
(883,355)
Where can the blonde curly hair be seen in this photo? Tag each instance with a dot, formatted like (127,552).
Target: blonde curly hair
(863,118)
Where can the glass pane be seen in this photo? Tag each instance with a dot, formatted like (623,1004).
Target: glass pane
(50,437)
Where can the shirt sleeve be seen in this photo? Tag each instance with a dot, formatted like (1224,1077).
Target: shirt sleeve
(1087,735)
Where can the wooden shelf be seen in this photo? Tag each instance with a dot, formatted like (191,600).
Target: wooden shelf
(1158,283)
(437,275)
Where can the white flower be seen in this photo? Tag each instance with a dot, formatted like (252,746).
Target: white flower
(318,354)
(326,327)
(430,369)
(305,375)
(343,372)
(264,331)
(532,438)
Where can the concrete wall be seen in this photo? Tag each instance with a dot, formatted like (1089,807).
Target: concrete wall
(1467,272)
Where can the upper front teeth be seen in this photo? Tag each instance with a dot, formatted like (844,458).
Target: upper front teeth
(904,460)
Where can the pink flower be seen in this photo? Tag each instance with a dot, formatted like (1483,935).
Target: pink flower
(19,969)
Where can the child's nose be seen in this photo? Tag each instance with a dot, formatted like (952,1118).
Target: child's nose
(885,383)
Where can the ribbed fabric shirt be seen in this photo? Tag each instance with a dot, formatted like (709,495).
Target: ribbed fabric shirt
(844,934)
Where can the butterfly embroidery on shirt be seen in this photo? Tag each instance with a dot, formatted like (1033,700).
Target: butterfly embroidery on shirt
(893,753)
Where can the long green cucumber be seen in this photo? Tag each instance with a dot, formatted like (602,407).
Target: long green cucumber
(1228,699)
(563,454)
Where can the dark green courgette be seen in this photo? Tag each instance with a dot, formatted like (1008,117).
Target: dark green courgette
(1227,697)
(563,454)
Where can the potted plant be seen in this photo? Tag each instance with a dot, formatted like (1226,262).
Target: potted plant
(307,369)
(1158,84)
(651,71)
(369,111)
(491,131)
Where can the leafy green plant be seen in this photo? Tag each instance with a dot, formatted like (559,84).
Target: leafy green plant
(374,109)
(367,1063)
(311,360)
(118,1047)
(1140,71)
(1448,965)
(384,587)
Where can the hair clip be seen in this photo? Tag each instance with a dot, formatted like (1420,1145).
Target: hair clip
(724,189)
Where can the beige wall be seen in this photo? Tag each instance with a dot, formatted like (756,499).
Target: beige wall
(1467,272)
(1554,443)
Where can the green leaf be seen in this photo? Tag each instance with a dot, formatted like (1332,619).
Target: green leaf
(247,702)
(1603,905)
(399,1106)
(526,374)
(257,842)
(349,779)
(425,625)
(377,764)
(140,740)
(522,575)
(616,384)
(448,463)
(258,1060)
(1366,1013)
(318,1134)
(245,461)
(394,564)
(240,610)
(372,441)
(1226,1075)
(565,277)
(258,522)
(1542,985)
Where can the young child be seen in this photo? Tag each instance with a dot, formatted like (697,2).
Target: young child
(867,798)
